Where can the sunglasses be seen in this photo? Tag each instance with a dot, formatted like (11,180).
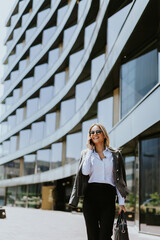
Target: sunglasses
(97,132)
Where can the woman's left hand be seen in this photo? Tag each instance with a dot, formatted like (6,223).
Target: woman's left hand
(122,207)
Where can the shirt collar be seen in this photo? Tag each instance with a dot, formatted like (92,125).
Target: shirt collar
(105,150)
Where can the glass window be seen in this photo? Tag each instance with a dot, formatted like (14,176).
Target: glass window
(96,67)
(37,131)
(4,128)
(105,113)
(59,81)
(27,84)
(29,33)
(40,71)
(67,35)
(56,155)
(29,164)
(50,124)
(32,106)
(53,56)
(150,185)
(11,196)
(88,34)
(11,122)
(43,160)
(138,77)
(24,138)
(46,95)
(7,85)
(22,65)
(41,16)
(21,196)
(74,61)
(61,13)
(81,8)
(73,147)
(16,95)
(6,147)
(25,18)
(34,196)
(82,91)
(16,32)
(47,34)
(115,23)
(13,144)
(14,75)
(85,129)
(12,169)
(19,115)
(9,102)
(67,111)
(34,51)
(11,58)
(19,48)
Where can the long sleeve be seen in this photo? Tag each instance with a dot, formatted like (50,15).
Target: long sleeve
(86,166)
(121,200)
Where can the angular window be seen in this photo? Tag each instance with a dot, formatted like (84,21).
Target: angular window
(50,124)
(73,147)
(11,122)
(24,138)
(34,51)
(19,48)
(82,92)
(115,23)
(37,131)
(59,81)
(25,18)
(138,77)
(13,144)
(56,155)
(96,66)
(12,170)
(11,59)
(4,128)
(29,164)
(85,130)
(41,16)
(27,84)
(5,147)
(40,71)
(74,61)
(22,65)
(47,35)
(46,95)
(67,35)
(9,102)
(7,85)
(88,34)
(81,8)
(16,95)
(67,111)
(43,160)
(29,33)
(150,185)
(32,106)
(16,32)
(53,56)
(105,113)
(19,115)
(60,14)
(14,75)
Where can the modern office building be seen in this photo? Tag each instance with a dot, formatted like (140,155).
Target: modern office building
(69,64)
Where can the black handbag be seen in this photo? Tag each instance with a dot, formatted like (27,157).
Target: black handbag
(121,229)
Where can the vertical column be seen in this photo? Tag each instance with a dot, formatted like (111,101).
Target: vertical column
(137,174)
(158,67)
(116,104)
(67,74)
(57,119)
(64,152)
(21,170)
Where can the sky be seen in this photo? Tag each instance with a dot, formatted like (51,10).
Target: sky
(5,8)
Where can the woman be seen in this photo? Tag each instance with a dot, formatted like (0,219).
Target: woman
(101,175)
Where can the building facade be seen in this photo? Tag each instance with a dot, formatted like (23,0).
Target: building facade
(68,65)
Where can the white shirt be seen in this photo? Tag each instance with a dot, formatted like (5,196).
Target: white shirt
(100,171)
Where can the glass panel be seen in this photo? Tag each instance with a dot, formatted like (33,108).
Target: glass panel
(41,16)
(16,95)
(13,18)
(115,23)
(50,124)
(82,92)
(12,169)
(88,34)
(13,144)
(138,77)
(73,147)
(5,147)
(4,127)
(56,155)
(21,196)
(35,3)
(20,5)
(85,129)
(9,44)
(96,67)
(25,18)
(60,14)
(29,33)
(19,48)
(16,32)
(81,8)
(150,185)
(74,61)
(11,196)
(7,85)
(34,196)
(19,115)
(11,59)
(24,138)
(40,71)
(37,131)
(46,95)
(29,164)
(43,160)
(67,111)
(53,56)
(14,75)
(2,109)
(22,65)
(67,35)
(9,102)
(47,34)
(34,51)
(32,106)
(105,113)
(59,81)
(27,84)
(11,122)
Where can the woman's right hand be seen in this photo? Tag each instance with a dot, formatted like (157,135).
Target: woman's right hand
(89,144)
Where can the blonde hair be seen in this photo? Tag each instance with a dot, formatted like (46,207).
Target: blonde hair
(106,141)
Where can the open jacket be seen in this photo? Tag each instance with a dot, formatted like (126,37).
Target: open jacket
(81,181)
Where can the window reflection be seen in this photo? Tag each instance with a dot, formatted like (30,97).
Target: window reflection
(150,185)
(137,78)
(56,155)
(73,147)
(43,160)
(29,164)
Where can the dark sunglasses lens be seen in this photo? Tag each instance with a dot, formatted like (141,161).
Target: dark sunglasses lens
(98,131)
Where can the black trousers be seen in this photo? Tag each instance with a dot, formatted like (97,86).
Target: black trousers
(99,210)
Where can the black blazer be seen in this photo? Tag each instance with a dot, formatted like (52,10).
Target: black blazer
(81,181)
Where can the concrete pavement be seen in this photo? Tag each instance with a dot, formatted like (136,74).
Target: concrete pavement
(37,224)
